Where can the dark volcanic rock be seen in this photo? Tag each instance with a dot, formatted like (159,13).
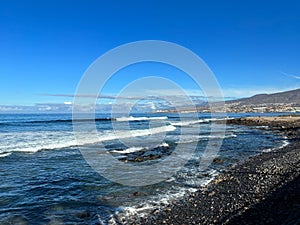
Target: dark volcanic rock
(137,193)
(217,160)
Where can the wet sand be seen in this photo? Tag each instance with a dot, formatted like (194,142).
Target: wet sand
(265,189)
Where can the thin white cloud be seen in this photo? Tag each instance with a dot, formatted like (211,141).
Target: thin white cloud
(51,107)
(155,95)
(242,92)
(291,75)
(91,96)
(144,103)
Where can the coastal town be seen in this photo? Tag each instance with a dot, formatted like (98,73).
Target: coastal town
(261,108)
(240,108)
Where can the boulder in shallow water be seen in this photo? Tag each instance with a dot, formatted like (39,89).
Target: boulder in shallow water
(217,160)
(83,215)
(137,193)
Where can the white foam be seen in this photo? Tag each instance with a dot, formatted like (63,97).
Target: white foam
(137,149)
(122,134)
(143,209)
(131,118)
(262,127)
(164,144)
(219,119)
(220,136)
(284,144)
(268,150)
(191,122)
(193,138)
(193,181)
(5,154)
(186,123)
(31,142)
(129,150)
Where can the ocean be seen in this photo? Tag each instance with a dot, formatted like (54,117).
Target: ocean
(44,178)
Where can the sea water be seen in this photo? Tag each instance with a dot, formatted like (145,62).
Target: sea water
(44,178)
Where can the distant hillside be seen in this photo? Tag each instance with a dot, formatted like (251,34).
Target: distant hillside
(286,97)
(288,101)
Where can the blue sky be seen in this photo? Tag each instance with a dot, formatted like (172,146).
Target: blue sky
(45,46)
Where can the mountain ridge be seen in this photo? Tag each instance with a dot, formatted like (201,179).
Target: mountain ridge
(285,97)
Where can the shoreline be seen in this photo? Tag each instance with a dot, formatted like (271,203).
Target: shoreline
(261,190)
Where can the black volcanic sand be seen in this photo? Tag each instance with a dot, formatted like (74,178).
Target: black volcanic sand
(265,189)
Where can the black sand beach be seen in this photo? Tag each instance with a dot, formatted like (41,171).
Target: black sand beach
(265,189)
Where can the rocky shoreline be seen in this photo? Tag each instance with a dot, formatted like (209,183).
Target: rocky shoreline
(265,189)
